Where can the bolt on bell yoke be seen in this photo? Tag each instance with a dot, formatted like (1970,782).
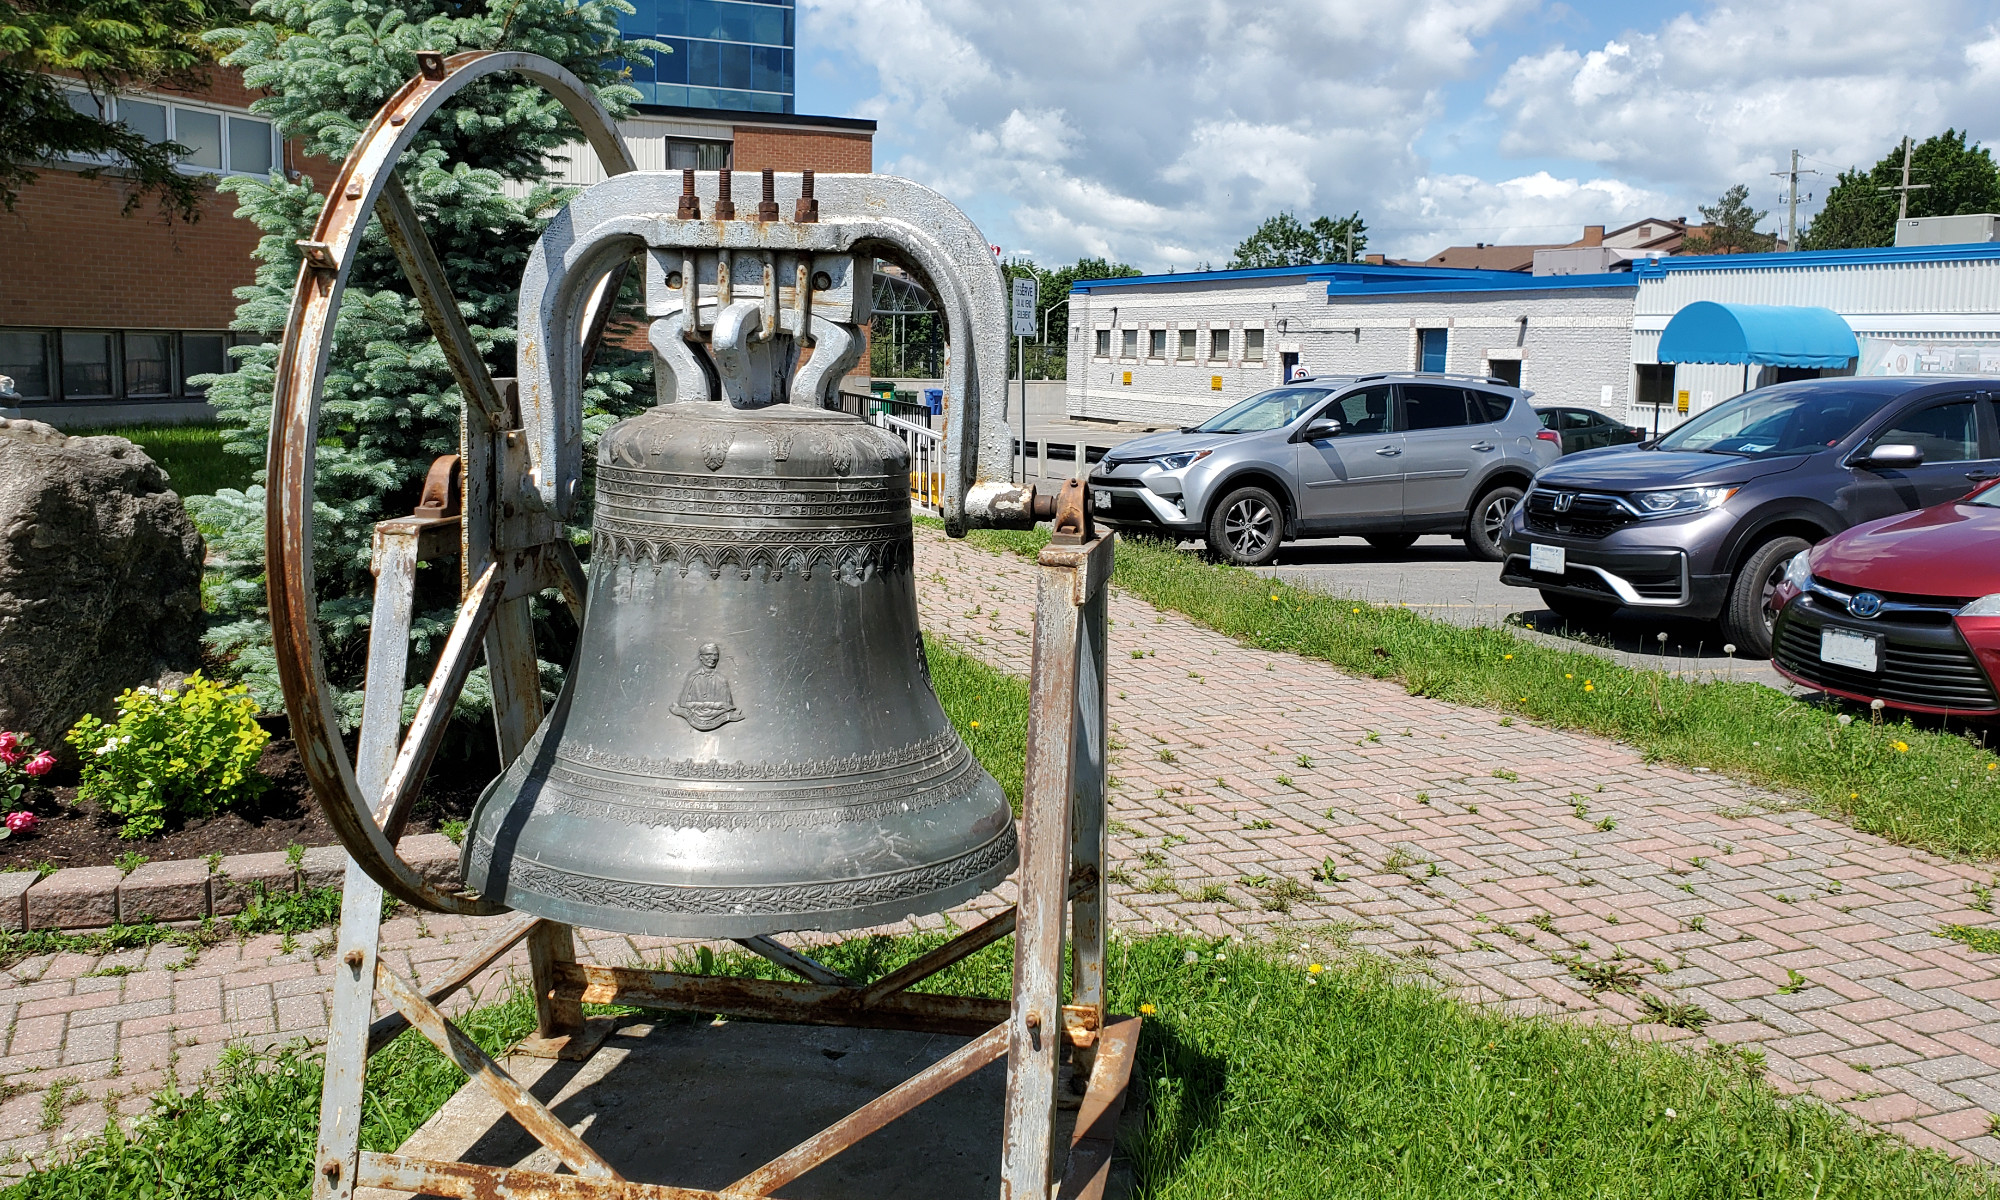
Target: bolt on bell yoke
(748,741)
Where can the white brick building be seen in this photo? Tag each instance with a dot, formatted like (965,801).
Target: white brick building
(1180,347)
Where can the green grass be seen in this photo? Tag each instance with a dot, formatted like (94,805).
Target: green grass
(191,455)
(1986,941)
(1919,787)
(1261,1081)
(990,709)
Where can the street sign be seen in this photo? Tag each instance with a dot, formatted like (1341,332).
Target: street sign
(1024,307)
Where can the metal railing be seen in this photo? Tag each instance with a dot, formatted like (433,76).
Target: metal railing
(926,448)
(1070,458)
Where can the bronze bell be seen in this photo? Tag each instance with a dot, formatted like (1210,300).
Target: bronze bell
(748,741)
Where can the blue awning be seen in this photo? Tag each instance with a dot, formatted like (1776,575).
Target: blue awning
(1779,335)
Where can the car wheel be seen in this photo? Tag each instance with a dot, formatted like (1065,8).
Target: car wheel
(1488,521)
(1391,541)
(1576,609)
(1246,527)
(1747,617)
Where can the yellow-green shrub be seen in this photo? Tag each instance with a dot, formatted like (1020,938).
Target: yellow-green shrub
(184,751)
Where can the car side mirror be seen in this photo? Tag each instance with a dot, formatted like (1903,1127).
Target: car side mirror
(1893,456)
(1324,427)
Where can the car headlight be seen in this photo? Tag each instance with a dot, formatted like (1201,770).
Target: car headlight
(1174,462)
(1985,606)
(1798,574)
(1682,500)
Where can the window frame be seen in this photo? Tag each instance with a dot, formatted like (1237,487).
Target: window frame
(1218,338)
(1258,332)
(1185,351)
(108,106)
(1103,346)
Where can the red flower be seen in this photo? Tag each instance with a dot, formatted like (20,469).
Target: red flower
(9,741)
(22,822)
(41,764)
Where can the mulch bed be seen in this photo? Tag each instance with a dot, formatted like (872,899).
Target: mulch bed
(286,814)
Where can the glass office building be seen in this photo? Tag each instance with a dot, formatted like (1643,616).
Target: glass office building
(727,53)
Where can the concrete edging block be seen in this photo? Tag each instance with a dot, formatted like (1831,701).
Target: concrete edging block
(241,874)
(174,890)
(75,898)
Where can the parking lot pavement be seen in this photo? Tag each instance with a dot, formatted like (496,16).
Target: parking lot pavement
(1436,578)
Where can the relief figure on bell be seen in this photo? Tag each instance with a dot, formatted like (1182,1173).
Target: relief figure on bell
(705,701)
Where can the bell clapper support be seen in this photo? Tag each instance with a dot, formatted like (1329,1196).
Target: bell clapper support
(734,305)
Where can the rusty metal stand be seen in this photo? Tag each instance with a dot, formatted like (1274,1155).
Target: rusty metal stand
(475,506)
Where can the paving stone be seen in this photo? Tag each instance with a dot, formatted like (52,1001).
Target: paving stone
(75,898)
(175,890)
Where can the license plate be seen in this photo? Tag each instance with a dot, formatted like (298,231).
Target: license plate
(1550,560)
(1845,648)
(1101,499)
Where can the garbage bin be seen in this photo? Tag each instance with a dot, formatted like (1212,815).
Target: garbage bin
(934,399)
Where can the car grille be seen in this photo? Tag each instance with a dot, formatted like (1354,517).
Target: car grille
(1590,515)
(1923,661)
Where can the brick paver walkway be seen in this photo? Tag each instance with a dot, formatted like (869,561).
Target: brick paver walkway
(1254,791)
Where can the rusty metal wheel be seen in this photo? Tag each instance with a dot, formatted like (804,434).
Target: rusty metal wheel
(495,579)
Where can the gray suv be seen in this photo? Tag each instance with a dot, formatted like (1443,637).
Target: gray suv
(1702,522)
(1385,456)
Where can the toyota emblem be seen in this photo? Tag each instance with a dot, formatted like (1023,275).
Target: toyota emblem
(1564,500)
(1865,605)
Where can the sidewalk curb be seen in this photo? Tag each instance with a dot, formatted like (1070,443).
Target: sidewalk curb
(183,890)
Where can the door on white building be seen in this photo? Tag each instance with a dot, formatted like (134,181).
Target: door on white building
(1356,475)
(1441,445)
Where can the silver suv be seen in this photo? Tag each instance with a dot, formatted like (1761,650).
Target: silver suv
(1385,456)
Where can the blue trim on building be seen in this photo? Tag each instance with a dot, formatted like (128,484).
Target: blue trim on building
(1871,255)
(1368,279)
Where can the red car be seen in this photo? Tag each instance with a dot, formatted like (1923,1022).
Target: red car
(1905,610)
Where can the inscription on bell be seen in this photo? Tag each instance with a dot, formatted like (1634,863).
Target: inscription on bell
(705,701)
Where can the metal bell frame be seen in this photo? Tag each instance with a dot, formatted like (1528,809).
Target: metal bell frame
(482,506)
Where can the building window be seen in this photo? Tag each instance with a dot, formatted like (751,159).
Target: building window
(217,142)
(86,365)
(202,354)
(1156,344)
(1104,343)
(1253,345)
(1430,349)
(1187,345)
(69,365)
(1656,383)
(24,358)
(1218,345)
(1131,344)
(683,153)
(149,365)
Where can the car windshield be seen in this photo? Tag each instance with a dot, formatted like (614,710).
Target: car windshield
(1990,497)
(1274,409)
(1768,423)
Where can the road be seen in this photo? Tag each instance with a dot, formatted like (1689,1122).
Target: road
(1435,577)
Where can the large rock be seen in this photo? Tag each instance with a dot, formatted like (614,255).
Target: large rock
(100,577)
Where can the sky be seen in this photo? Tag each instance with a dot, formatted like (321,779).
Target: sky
(1160,132)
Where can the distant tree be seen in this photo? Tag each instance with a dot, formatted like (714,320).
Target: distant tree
(1285,241)
(47,48)
(1859,211)
(1729,226)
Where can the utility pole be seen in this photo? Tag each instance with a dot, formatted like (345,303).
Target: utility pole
(1903,201)
(1792,198)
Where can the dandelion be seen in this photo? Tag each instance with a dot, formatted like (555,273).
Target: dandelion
(1218,956)
(223,1116)
(1567,675)
(1147,1010)
(1314,969)
(1190,958)
(1589,686)
(975,724)
(1508,657)
(1901,747)
(1354,610)
(1274,595)
(1854,795)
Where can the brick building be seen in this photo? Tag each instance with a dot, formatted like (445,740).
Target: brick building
(105,317)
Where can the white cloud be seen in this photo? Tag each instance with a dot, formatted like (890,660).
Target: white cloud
(1708,101)
(1159,133)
